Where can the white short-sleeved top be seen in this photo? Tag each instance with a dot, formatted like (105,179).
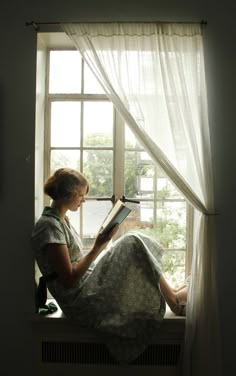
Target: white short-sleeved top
(52,229)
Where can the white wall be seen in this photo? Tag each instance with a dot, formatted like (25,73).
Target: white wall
(17,134)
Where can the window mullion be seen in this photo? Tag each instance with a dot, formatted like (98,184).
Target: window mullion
(189,238)
(118,157)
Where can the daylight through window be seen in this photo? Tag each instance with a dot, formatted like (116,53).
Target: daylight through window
(84,131)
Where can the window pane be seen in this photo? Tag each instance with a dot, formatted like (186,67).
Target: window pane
(98,168)
(65,72)
(98,124)
(165,189)
(65,124)
(130,139)
(74,218)
(141,216)
(146,184)
(65,158)
(171,224)
(91,84)
(94,214)
(139,172)
(168,227)
(173,266)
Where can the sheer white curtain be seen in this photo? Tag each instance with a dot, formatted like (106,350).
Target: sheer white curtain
(154,75)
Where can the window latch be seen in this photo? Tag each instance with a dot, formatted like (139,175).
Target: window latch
(124,199)
(113,199)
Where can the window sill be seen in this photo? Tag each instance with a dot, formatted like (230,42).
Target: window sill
(169,315)
(172,327)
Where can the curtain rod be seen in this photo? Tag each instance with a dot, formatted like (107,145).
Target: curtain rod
(37,25)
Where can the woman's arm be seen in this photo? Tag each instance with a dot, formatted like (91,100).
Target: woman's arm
(180,288)
(59,259)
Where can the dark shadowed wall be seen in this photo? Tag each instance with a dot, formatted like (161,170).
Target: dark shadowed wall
(17,123)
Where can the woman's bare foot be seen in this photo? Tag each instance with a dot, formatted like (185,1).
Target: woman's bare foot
(179,309)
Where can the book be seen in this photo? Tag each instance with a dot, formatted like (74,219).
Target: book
(116,216)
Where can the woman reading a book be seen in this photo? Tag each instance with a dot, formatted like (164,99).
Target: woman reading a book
(124,294)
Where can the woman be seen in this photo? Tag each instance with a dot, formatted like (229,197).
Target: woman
(124,293)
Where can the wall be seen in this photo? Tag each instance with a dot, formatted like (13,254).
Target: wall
(17,131)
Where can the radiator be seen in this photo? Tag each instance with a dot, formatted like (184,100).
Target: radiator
(64,349)
(97,353)
(65,358)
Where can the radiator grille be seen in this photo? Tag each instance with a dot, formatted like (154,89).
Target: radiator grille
(97,353)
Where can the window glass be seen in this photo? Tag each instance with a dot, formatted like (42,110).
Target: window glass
(130,139)
(98,124)
(173,266)
(138,175)
(65,72)
(74,218)
(91,84)
(65,158)
(171,223)
(98,168)
(65,124)
(94,213)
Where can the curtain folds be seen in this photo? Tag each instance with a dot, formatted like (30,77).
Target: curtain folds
(154,75)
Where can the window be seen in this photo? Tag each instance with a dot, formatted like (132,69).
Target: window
(84,131)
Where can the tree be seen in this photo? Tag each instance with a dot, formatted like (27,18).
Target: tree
(99,170)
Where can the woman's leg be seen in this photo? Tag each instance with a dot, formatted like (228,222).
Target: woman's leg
(172,298)
(182,293)
(180,288)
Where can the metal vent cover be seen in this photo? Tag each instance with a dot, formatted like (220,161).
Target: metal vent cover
(97,353)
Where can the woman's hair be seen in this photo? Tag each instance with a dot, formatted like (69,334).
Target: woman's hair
(63,182)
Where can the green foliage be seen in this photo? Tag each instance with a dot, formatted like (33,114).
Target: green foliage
(173,266)
(170,232)
(98,171)
(131,189)
(59,160)
(97,166)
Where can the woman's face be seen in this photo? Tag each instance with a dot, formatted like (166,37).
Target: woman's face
(77,198)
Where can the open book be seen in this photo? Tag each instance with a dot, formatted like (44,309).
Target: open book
(116,215)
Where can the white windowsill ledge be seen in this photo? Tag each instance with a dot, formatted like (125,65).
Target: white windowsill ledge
(169,315)
(172,327)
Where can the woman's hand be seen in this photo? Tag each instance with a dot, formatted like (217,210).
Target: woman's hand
(103,239)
